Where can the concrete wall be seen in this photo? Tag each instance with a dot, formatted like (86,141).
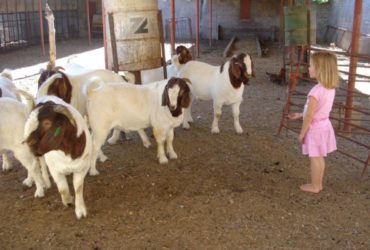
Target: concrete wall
(341,16)
(226,13)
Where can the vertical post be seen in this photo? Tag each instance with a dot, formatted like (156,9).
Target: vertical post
(355,44)
(160,26)
(104,34)
(197,28)
(281,22)
(173,27)
(88,20)
(210,22)
(41,22)
(113,42)
(52,46)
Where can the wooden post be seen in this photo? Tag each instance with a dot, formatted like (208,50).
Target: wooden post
(88,20)
(41,23)
(173,27)
(355,45)
(197,40)
(52,47)
(160,26)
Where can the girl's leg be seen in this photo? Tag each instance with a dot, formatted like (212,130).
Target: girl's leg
(317,165)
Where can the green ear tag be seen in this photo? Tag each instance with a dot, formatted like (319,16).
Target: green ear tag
(57,131)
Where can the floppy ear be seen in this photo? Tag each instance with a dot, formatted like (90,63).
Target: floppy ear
(165,99)
(235,68)
(62,88)
(50,139)
(185,95)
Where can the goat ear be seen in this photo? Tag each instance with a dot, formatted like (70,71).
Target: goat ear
(185,96)
(51,140)
(165,99)
(235,68)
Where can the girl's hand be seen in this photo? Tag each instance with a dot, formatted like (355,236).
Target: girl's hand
(301,138)
(295,116)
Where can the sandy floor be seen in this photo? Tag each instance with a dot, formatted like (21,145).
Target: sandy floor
(225,191)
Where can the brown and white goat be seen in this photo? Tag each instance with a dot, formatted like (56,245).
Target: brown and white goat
(136,107)
(223,84)
(178,60)
(56,132)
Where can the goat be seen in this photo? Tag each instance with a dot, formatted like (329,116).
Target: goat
(14,115)
(56,132)
(178,60)
(134,107)
(8,89)
(67,85)
(223,84)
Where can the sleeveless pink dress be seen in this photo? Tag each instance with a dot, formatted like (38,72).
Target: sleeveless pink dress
(320,138)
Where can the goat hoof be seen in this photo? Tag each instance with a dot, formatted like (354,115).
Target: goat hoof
(239,131)
(163,160)
(186,126)
(215,130)
(102,157)
(147,144)
(80,212)
(112,141)
(7,167)
(173,155)
(93,172)
(28,182)
(39,193)
(67,200)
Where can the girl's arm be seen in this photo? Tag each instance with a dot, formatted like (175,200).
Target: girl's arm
(311,107)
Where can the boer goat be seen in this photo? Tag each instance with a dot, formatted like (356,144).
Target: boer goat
(136,107)
(14,115)
(182,56)
(57,133)
(223,84)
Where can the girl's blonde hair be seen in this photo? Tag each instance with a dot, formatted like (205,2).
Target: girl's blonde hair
(326,69)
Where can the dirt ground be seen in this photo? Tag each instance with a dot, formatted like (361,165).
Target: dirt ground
(225,191)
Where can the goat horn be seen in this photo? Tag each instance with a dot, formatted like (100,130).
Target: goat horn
(64,111)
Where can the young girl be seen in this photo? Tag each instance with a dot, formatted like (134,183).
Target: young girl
(317,135)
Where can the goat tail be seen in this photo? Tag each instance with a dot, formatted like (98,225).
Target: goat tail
(30,101)
(91,85)
(7,73)
(175,61)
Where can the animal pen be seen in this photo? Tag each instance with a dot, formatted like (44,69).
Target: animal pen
(22,22)
(350,117)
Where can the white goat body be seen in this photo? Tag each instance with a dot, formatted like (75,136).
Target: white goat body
(133,107)
(14,115)
(223,84)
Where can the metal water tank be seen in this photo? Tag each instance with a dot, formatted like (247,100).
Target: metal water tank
(296,25)
(136,38)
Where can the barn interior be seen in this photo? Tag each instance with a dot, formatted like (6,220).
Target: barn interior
(225,191)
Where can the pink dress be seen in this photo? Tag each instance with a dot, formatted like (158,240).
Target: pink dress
(320,138)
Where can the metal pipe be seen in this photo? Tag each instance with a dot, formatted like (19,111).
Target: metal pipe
(41,28)
(88,21)
(104,35)
(210,22)
(173,27)
(197,39)
(353,61)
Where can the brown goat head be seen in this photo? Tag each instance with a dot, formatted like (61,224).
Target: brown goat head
(56,130)
(184,54)
(182,96)
(238,69)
